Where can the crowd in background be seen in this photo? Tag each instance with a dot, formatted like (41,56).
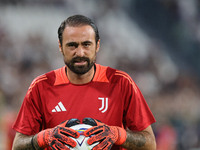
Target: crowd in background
(156,42)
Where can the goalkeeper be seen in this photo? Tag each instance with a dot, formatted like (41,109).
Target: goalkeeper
(106,98)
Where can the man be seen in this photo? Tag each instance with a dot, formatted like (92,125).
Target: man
(106,98)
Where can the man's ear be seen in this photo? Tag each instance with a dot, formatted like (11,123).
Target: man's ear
(98,46)
(60,47)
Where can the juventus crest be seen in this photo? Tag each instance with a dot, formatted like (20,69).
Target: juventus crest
(104,104)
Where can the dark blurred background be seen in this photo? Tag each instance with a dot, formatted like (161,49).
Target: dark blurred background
(156,41)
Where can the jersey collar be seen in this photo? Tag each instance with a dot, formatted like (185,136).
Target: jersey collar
(100,75)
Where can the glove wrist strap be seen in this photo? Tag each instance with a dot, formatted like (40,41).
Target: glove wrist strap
(122,136)
(41,138)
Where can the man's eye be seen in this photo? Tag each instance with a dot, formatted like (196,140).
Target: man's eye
(86,44)
(71,45)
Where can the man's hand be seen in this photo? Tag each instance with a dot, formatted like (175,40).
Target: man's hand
(104,134)
(58,137)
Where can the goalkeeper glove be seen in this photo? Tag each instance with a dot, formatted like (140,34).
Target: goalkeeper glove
(104,134)
(58,136)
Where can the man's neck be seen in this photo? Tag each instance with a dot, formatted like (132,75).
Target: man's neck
(80,79)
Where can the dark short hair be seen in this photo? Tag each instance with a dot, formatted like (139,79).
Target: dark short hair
(75,21)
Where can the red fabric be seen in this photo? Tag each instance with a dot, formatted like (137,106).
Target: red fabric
(126,105)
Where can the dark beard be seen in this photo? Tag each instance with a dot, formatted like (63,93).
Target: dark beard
(80,69)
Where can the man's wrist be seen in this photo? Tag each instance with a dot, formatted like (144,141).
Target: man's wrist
(32,143)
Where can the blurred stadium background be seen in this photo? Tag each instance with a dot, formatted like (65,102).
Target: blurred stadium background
(156,41)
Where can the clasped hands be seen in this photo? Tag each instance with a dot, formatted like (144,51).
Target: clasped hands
(60,135)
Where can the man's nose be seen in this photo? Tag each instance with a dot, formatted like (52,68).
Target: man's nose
(80,51)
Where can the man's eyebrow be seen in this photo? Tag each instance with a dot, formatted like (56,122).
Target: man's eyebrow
(86,42)
(72,44)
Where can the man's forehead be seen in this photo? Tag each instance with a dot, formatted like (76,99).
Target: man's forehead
(79,29)
(80,33)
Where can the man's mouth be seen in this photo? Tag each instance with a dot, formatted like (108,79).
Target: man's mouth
(80,61)
(83,62)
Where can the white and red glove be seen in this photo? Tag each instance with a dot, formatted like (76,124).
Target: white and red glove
(104,134)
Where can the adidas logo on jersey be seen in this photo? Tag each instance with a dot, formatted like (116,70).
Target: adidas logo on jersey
(60,107)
